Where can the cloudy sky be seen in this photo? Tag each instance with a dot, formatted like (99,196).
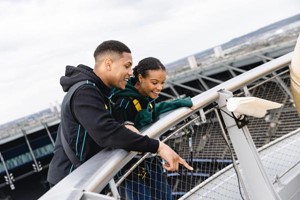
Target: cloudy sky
(38,38)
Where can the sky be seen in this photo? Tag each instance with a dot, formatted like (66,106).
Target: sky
(38,38)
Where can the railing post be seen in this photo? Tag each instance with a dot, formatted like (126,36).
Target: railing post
(36,165)
(9,179)
(114,190)
(48,132)
(253,173)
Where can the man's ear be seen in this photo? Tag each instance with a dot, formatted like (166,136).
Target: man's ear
(108,63)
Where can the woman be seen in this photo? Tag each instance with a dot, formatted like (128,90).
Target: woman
(136,104)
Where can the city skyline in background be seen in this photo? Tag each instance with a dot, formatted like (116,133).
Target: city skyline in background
(35,51)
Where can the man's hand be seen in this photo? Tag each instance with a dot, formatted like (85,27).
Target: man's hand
(172,158)
(132,128)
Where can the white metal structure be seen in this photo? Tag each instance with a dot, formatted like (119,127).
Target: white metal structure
(89,179)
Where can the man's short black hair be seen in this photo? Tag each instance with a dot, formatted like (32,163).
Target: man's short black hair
(112,46)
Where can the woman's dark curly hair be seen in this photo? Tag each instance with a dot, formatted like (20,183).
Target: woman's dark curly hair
(145,65)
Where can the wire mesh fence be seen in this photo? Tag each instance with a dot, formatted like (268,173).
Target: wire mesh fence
(200,141)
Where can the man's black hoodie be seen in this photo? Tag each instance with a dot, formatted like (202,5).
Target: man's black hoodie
(88,124)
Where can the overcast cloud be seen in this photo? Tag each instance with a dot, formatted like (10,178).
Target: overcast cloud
(39,38)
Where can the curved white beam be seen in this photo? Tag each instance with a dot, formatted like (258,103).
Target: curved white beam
(295,75)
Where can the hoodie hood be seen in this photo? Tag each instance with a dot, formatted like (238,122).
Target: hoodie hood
(74,75)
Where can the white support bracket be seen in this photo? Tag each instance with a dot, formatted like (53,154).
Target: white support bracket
(253,174)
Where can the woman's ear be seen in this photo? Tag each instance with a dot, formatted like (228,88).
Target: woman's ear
(140,77)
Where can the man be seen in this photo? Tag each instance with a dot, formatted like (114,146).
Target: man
(87,125)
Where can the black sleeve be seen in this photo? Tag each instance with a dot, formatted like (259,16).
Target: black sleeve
(125,110)
(90,110)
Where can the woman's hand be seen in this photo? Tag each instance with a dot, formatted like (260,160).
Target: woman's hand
(132,128)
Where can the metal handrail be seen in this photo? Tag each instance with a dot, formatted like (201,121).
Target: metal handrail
(93,175)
